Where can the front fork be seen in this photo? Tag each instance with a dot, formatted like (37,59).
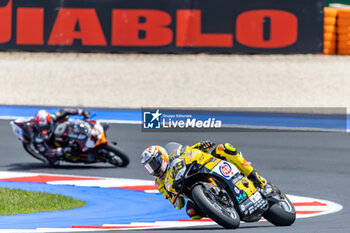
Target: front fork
(221,195)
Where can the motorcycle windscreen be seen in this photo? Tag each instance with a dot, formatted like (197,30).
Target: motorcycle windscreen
(173,148)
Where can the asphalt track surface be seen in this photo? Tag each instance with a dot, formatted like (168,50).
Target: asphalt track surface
(302,163)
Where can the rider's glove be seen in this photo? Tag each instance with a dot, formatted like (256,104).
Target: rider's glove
(206,146)
(86,114)
(63,151)
(67,150)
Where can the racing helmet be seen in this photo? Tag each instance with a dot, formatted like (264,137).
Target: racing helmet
(155,160)
(43,123)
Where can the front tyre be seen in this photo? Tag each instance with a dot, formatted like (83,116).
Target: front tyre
(117,157)
(33,152)
(281,213)
(223,214)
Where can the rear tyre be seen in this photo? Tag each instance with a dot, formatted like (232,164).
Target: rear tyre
(225,216)
(281,213)
(117,157)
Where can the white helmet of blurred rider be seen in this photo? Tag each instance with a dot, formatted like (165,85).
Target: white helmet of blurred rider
(43,123)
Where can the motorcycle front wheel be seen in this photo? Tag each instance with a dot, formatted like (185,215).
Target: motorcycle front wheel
(223,214)
(33,152)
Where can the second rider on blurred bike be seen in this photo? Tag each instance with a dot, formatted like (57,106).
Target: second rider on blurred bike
(44,125)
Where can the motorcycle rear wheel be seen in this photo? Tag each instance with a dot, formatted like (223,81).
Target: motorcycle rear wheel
(281,213)
(214,210)
(119,158)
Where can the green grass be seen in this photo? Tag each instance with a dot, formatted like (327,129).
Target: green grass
(16,201)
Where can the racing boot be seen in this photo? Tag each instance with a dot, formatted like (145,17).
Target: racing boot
(267,189)
(193,211)
(258,180)
(230,154)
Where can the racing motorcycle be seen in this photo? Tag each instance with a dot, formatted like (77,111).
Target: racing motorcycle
(83,136)
(223,193)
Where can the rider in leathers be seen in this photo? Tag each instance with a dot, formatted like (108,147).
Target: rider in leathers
(44,125)
(156,161)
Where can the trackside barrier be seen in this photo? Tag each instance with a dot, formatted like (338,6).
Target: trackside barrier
(336,31)
(158,26)
(343,32)
(330,34)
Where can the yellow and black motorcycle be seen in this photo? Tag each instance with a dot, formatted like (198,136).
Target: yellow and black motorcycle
(223,193)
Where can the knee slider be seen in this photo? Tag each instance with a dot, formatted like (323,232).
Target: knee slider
(229,149)
(223,150)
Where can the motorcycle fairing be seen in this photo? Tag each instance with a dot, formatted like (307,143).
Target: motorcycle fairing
(96,136)
(248,200)
(225,169)
(245,193)
(18,131)
(251,205)
(21,130)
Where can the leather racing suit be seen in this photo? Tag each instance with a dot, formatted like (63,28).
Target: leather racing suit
(47,147)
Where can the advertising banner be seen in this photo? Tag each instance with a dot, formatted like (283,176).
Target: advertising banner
(158,26)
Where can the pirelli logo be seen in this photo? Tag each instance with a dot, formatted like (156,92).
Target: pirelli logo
(117,24)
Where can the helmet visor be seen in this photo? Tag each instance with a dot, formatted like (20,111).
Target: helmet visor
(153,165)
